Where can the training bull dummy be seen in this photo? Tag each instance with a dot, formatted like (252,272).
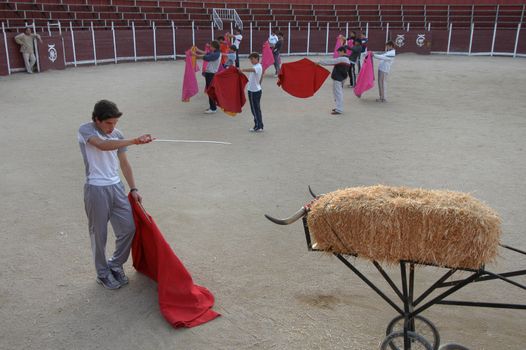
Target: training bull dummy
(392,224)
(182,303)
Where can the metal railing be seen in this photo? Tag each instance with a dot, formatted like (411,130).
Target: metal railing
(216,18)
(220,14)
(168,49)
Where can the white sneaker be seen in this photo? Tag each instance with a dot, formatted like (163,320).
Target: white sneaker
(211,111)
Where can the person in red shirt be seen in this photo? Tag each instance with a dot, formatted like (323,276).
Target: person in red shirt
(224,48)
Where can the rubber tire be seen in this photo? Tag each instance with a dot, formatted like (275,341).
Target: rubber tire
(386,344)
(435,343)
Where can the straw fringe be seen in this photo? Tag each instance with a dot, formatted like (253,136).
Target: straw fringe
(389,224)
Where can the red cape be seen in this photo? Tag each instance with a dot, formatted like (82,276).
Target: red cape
(182,303)
(228,90)
(302,78)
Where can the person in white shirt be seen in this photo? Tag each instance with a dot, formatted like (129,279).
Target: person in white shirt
(386,60)
(254,90)
(103,149)
(273,39)
(236,41)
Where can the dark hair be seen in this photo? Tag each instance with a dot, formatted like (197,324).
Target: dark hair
(233,47)
(389,43)
(358,41)
(342,49)
(254,55)
(237,31)
(105,109)
(215,44)
(280,34)
(219,38)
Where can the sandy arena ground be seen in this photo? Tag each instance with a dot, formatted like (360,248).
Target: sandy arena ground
(452,122)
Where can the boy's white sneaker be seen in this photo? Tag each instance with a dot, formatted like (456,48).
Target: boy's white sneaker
(211,111)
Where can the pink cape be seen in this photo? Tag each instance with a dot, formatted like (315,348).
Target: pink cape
(268,58)
(337,46)
(350,43)
(365,79)
(182,303)
(190,87)
(207,50)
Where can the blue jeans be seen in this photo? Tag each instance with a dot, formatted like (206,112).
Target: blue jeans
(208,80)
(255,106)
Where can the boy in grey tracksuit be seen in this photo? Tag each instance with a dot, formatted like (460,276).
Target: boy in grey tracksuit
(103,149)
(338,75)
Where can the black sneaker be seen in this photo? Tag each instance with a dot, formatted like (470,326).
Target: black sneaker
(109,282)
(118,274)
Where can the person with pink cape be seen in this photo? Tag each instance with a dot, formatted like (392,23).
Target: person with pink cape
(365,80)
(190,87)
(340,41)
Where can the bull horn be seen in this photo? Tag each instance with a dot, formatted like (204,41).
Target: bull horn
(298,215)
(314,195)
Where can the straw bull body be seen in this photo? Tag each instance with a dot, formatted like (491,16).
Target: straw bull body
(390,224)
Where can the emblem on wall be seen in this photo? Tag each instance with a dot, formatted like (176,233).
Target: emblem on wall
(420,40)
(52,52)
(400,40)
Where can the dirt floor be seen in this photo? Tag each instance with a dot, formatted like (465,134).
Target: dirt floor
(454,123)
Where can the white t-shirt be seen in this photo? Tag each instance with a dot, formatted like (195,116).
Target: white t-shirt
(237,40)
(254,78)
(386,60)
(102,167)
(272,39)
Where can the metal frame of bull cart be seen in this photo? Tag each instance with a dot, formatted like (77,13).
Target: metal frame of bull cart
(413,306)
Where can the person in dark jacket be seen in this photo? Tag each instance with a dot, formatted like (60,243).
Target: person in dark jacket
(338,75)
(214,60)
(276,52)
(354,59)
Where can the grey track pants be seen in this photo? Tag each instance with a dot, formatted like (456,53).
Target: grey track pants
(337,91)
(103,204)
(382,77)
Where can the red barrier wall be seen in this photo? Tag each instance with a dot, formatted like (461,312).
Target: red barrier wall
(3,58)
(386,2)
(51,53)
(436,40)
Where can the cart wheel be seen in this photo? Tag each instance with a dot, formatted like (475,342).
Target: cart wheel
(423,327)
(396,341)
(453,346)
